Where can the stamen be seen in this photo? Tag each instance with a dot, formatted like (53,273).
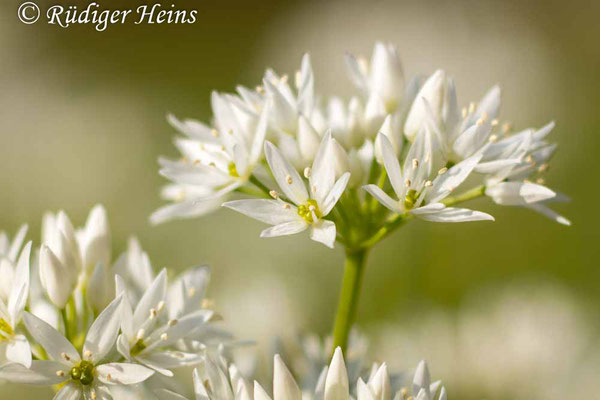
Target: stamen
(288,179)
(494,122)
(93,394)
(160,306)
(153,313)
(286,206)
(464,112)
(407,182)
(428,183)
(540,181)
(87,354)
(307,172)
(442,171)
(140,334)
(471,108)
(274,194)
(108,377)
(164,337)
(493,138)
(415,163)
(214,133)
(172,322)
(65,356)
(60,373)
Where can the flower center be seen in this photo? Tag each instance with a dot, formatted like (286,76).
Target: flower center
(6,329)
(306,211)
(410,199)
(84,373)
(233,170)
(138,347)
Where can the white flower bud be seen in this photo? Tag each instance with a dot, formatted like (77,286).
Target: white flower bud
(101,288)
(308,140)
(386,77)
(433,92)
(57,279)
(96,246)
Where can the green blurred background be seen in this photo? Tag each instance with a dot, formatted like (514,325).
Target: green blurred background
(83,122)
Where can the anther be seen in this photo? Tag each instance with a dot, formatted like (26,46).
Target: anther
(140,334)
(172,322)
(108,377)
(260,89)
(428,183)
(540,181)
(464,112)
(403,392)
(87,354)
(65,356)
(506,127)
(94,396)
(286,206)
(493,138)
(314,189)
(471,108)
(153,313)
(60,373)
(214,132)
(307,172)
(484,116)
(164,337)
(284,79)
(161,305)
(480,122)
(442,171)
(407,182)
(274,194)
(196,162)
(544,167)
(288,179)
(529,159)
(494,122)
(415,163)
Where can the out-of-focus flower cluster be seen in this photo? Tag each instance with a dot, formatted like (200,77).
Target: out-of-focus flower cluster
(282,155)
(91,327)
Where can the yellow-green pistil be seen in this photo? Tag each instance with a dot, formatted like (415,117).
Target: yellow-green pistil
(410,199)
(6,329)
(306,210)
(233,170)
(84,373)
(138,347)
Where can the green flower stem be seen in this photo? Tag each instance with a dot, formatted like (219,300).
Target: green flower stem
(254,180)
(348,304)
(477,191)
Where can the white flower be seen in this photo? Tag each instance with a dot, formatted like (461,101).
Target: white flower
(14,346)
(149,336)
(301,210)
(8,258)
(382,77)
(216,161)
(88,375)
(416,193)
(435,93)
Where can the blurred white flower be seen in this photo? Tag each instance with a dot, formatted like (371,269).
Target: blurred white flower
(9,251)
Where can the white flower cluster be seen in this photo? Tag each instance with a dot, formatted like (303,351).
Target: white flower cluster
(215,379)
(74,318)
(297,164)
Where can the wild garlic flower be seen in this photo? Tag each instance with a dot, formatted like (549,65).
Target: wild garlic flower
(216,379)
(9,251)
(85,375)
(216,161)
(150,335)
(300,210)
(14,346)
(418,192)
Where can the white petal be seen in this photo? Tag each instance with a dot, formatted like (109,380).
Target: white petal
(50,339)
(451,179)
(386,77)
(392,166)
(284,385)
(433,92)
(151,298)
(123,373)
(97,244)
(269,211)
(287,228)
(56,278)
(472,139)
(260,134)
(422,379)
(357,73)
(383,197)
(305,86)
(323,231)
(165,394)
(428,209)
(101,288)
(491,167)
(196,174)
(102,335)
(20,286)
(336,384)
(334,195)
(185,209)
(17,241)
(18,350)
(286,176)
(40,373)
(308,139)
(518,193)
(380,384)
(451,214)
(192,128)
(71,391)
(362,391)
(544,210)
(323,168)
(260,393)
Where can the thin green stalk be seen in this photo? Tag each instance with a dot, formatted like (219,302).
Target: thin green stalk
(468,195)
(348,303)
(254,180)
